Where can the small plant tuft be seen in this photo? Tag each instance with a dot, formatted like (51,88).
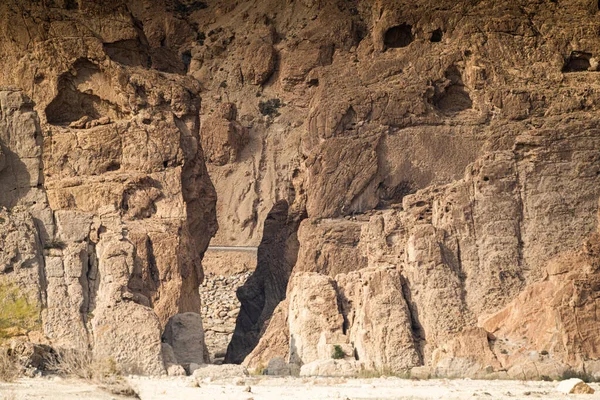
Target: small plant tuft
(338,352)
(545,378)
(259,370)
(270,107)
(55,244)
(9,367)
(504,351)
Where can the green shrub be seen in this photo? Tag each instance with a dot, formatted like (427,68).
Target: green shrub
(338,352)
(269,107)
(17,312)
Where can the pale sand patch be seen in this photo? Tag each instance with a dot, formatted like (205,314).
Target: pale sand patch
(263,388)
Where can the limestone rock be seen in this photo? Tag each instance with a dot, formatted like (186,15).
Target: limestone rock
(225,371)
(574,386)
(259,62)
(314,319)
(223,138)
(278,366)
(106,158)
(185,334)
(175,370)
(337,368)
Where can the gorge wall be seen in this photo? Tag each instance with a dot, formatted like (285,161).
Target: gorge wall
(421,179)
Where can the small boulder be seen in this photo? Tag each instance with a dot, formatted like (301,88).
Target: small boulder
(214,372)
(175,370)
(574,386)
(336,368)
(278,366)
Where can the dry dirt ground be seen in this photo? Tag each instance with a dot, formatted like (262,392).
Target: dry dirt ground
(291,388)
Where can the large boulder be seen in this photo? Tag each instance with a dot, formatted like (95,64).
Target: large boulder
(185,334)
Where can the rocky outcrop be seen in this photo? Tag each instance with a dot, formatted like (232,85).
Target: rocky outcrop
(104,153)
(424,177)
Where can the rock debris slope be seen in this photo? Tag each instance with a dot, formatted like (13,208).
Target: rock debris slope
(421,179)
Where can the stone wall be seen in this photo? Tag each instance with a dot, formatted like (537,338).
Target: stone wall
(225,272)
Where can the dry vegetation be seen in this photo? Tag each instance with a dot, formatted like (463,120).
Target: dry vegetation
(9,368)
(81,364)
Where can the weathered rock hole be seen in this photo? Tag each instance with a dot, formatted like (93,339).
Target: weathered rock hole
(127,52)
(186,58)
(454,98)
(486,178)
(71,5)
(436,36)
(39,78)
(347,122)
(313,83)
(113,166)
(394,194)
(398,36)
(71,104)
(578,61)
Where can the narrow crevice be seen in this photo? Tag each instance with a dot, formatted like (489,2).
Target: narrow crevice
(415,326)
(266,287)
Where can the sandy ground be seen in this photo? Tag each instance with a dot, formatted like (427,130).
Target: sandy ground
(291,388)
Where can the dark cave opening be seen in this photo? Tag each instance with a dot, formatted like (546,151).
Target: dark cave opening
(398,36)
(436,36)
(577,61)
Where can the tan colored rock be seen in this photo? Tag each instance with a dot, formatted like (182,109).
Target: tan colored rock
(314,320)
(381,336)
(223,137)
(226,371)
(574,386)
(274,342)
(259,62)
(337,368)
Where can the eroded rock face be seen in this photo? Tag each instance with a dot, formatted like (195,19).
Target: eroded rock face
(103,151)
(444,161)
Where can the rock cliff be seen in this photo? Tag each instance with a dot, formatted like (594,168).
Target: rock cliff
(421,179)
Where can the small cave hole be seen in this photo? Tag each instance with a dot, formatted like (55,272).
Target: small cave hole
(39,78)
(71,5)
(313,82)
(113,166)
(436,36)
(578,61)
(454,97)
(165,164)
(398,36)
(347,122)
(486,178)
(186,58)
